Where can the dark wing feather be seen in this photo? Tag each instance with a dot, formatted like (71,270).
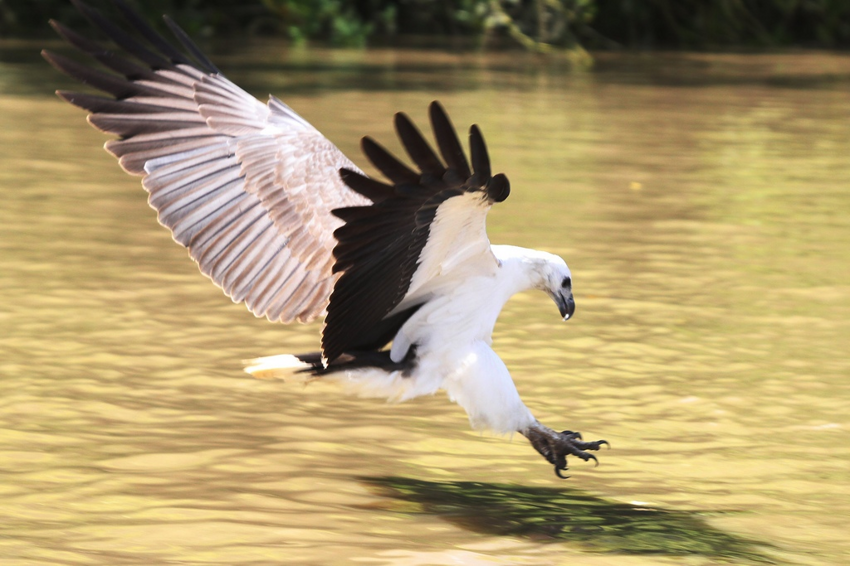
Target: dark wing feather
(122,38)
(107,58)
(447,141)
(417,148)
(380,247)
(386,163)
(155,39)
(118,87)
(94,103)
(190,46)
(369,188)
(478,151)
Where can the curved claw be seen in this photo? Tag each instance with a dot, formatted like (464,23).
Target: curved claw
(555,446)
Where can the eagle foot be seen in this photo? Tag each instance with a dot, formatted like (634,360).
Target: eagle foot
(556,446)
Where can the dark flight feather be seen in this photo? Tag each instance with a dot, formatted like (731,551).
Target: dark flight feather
(190,46)
(117,86)
(102,104)
(478,153)
(386,163)
(152,36)
(122,38)
(379,247)
(358,359)
(447,141)
(105,57)
(498,188)
(416,146)
(369,188)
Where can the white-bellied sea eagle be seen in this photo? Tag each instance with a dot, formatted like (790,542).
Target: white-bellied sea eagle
(275,215)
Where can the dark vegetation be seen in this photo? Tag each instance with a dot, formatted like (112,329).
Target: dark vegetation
(535,24)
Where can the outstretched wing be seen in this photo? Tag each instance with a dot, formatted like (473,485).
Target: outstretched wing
(427,227)
(247,187)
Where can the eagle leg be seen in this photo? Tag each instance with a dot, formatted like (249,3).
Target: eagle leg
(556,446)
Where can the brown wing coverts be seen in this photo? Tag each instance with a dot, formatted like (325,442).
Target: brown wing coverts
(379,247)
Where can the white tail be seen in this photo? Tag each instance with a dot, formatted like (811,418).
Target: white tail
(395,386)
(274,367)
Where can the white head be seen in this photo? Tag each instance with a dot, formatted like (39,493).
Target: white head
(541,270)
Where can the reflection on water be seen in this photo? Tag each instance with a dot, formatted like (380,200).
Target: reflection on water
(701,202)
(568,515)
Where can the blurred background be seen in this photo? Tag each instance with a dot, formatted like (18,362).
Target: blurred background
(535,24)
(694,171)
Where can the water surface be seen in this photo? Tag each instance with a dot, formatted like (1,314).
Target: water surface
(702,203)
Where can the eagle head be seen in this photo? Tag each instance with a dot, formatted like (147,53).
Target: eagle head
(558,284)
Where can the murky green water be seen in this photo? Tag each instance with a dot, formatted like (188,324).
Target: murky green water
(702,203)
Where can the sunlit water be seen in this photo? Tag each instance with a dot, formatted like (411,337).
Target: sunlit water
(702,203)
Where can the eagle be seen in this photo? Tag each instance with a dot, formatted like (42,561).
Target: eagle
(401,270)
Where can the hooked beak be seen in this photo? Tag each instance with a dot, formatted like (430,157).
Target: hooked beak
(566,304)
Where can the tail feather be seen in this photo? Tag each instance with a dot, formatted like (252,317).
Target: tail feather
(306,365)
(282,366)
(365,374)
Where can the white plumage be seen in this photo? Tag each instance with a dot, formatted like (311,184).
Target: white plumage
(281,220)
(453,334)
